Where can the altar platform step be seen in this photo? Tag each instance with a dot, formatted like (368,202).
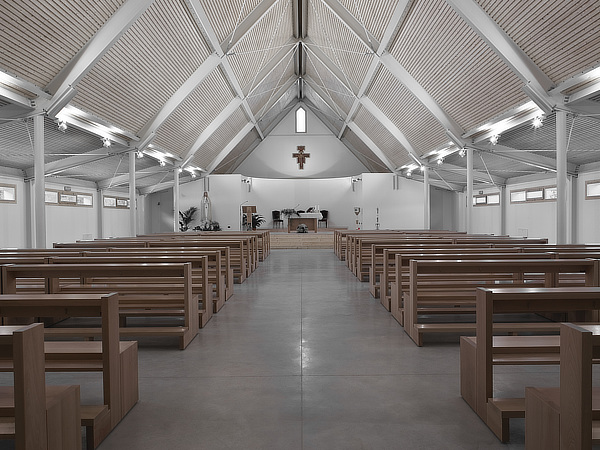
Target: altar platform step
(302,240)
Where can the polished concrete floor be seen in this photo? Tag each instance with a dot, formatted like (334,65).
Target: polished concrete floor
(302,357)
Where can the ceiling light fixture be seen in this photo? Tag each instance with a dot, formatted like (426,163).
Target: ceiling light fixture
(106,142)
(537,122)
(162,163)
(440,161)
(494,139)
(462,152)
(409,174)
(139,154)
(193,174)
(62,126)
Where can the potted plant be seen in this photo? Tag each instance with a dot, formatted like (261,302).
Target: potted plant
(186,217)
(257,221)
(208,225)
(290,212)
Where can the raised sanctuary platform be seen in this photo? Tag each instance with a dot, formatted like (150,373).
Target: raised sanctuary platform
(322,239)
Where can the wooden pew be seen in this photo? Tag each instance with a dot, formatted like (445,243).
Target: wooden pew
(479,354)
(118,361)
(157,296)
(567,417)
(200,285)
(461,291)
(36,416)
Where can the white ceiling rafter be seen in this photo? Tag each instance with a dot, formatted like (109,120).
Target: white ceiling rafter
(229,43)
(97,47)
(282,89)
(210,129)
(325,96)
(388,35)
(228,148)
(512,55)
(477,175)
(330,65)
(353,24)
(267,68)
(120,180)
(372,146)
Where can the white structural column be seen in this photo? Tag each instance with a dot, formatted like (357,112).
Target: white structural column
(469,215)
(132,199)
(176,199)
(562,200)
(40,182)
(504,200)
(100,203)
(427,194)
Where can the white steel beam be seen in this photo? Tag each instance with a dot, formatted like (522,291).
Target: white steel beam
(210,129)
(246,25)
(184,91)
(97,47)
(502,44)
(481,177)
(223,153)
(353,24)
(372,146)
(323,95)
(266,69)
(331,66)
(275,98)
(120,180)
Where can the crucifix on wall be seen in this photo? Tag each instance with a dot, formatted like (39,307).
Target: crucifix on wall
(301,156)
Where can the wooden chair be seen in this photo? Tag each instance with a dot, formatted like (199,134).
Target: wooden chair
(36,416)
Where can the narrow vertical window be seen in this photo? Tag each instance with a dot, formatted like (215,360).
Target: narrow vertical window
(300,120)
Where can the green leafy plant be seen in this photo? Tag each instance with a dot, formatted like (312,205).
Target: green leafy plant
(208,226)
(302,228)
(257,221)
(290,212)
(186,217)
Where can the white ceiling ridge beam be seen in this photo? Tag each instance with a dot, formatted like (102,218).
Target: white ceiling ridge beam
(358,29)
(402,75)
(372,146)
(123,179)
(390,126)
(330,65)
(390,32)
(246,25)
(211,128)
(275,98)
(184,91)
(502,44)
(98,46)
(228,148)
(499,124)
(267,68)
(525,157)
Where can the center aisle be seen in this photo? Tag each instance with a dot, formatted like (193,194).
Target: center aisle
(301,357)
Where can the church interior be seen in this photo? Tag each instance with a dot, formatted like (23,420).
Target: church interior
(276,223)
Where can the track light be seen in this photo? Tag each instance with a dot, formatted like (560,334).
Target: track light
(538,122)
(462,152)
(162,163)
(440,161)
(139,154)
(62,126)
(106,142)
(494,139)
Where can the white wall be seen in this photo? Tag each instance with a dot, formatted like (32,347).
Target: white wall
(398,208)
(487,219)
(329,157)
(587,224)
(13,222)
(444,209)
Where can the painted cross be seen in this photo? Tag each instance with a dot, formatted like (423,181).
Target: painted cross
(301,156)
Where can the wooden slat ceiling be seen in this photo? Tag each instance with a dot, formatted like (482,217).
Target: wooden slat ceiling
(262,43)
(33,40)
(220,138)
(380,135)
(148,64)
(195,114)
(342,47)
(419,126)
(132,81)
(455,66)
(561,37)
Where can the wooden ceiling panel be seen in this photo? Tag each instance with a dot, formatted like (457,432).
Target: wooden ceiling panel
(145,67)
(226,15)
